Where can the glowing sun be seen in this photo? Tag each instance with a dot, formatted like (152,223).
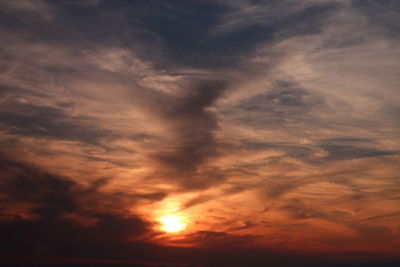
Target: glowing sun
(172,224)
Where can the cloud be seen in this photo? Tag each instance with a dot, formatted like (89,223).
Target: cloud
(193,125)
(33,9)
(44,121)
(210,109)
(381,13)
(52,214)
(382,216)
(46,237)
(277,15)
(300,211)
(44,195)
(210,239)
(337,152)
(67,225)
(197,200)
(283,104)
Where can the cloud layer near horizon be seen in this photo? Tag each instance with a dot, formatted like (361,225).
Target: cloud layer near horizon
(271,125)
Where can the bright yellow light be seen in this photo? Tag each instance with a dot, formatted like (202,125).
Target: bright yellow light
(172,224)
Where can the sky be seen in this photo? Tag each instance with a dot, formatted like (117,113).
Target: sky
(266,131)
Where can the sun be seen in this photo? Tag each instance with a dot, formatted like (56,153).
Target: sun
(172,224)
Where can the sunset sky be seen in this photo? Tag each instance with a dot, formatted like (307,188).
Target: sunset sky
(224,132)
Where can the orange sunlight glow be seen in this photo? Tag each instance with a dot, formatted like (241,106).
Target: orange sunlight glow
(172,224)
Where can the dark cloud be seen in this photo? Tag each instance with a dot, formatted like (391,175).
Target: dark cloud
(50,196)
(306,21)
(299,210)
(164,31)
(342,152)
(286,103)
(50,232)
(382,13)
(15,92)
(335,149)
(47,237)
(50,122)
(153,29)
(245,225)
(241,40)
(372,233)
(113,235)
(203,198)
(217,239)
(348,141)
(197,200)
(194,126)
(387,215)
(282,186)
